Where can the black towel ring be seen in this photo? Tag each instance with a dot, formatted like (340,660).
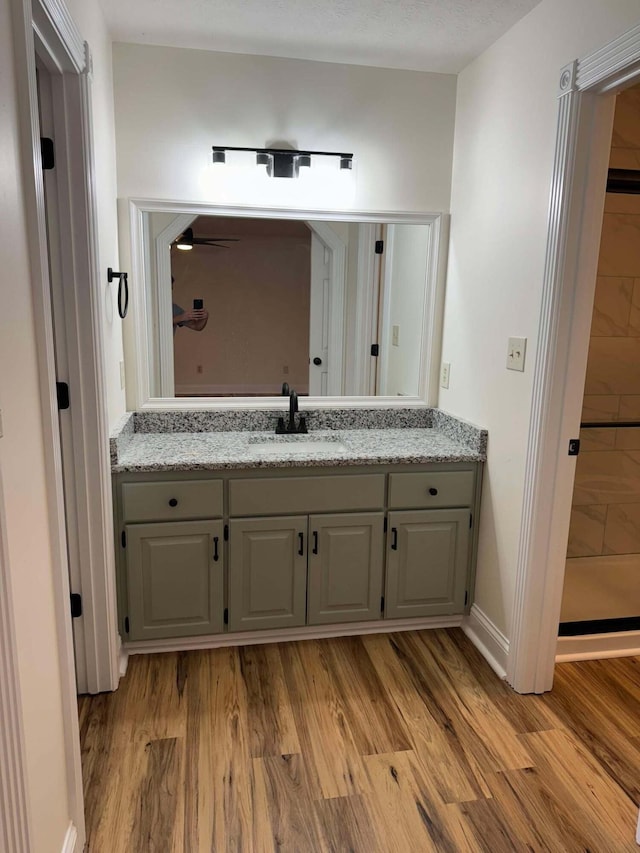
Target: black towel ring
(123,290)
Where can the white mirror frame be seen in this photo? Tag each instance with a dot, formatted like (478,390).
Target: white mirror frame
(136,333)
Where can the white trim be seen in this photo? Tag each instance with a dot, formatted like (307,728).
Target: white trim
(222,390)
(307,632)
(598,646)
(162,310)
(488,639)
(337,278)
(14,810)
(124,662)
(366,311)
(577,198)
(69,845)
(136,341)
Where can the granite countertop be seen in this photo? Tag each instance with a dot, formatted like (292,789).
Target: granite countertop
(192,451)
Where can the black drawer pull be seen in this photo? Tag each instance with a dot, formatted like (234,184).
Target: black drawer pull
(216,556)
(173,502)
(315,541)
(394,541)
(433,491)
(301,548)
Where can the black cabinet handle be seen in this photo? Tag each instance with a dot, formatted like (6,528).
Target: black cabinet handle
(317,361)
(301,548)
(394,541)
(433,491)
(173,502)
(216,556)
(315,542)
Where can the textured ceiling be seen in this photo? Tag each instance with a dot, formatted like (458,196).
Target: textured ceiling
(423,35)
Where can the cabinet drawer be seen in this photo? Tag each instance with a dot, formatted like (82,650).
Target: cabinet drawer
(442,488)
(306,494)
(188,499)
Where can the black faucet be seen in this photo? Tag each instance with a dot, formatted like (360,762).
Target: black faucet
(291,428)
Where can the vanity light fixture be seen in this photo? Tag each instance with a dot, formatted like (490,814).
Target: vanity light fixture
(283,162)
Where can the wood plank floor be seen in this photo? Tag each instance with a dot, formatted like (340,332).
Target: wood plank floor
(398,742)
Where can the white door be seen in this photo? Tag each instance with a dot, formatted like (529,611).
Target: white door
(45,103)
(319,317)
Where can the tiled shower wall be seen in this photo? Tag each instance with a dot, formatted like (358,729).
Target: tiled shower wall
(605,519)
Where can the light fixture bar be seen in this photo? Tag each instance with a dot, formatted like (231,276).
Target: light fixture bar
(282,162)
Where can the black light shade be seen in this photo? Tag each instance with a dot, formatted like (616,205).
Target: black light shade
(219,155)
(346,161)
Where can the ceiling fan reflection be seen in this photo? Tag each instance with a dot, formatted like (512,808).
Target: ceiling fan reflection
(186,241)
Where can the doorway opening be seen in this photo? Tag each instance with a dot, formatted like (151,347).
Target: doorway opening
(601,592)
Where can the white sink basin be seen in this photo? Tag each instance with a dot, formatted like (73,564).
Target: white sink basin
(290,446)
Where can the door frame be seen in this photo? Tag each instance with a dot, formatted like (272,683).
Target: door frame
(48,25)
(15,829)
(586,101)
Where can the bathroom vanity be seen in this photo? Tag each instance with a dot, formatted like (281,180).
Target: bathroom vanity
(225,533)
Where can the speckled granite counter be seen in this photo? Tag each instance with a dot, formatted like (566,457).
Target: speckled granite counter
(190,441)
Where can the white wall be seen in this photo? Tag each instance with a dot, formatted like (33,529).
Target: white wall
(172,105)
(503,156)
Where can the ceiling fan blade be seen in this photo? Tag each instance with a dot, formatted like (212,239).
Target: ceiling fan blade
(214,241)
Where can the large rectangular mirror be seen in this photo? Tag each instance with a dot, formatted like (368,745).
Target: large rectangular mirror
(231,304)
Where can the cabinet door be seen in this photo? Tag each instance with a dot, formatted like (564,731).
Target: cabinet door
(267,572)
(427,559)
(345,567)
(175,579)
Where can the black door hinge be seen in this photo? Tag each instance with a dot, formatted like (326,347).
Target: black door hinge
(574,446)
(126,624)
(466,597)
(226,616)
(76,605)
(375,350)
(47,152)
(382,604)
(470,520)
(385,525)
(123,539)
(62,393)
(226,533)
(379,247)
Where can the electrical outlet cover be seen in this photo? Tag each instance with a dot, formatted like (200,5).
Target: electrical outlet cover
(516,351)
(445,371)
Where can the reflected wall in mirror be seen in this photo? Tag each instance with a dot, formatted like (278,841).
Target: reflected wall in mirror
(262,300)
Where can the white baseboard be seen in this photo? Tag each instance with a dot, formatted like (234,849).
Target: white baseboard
(598,646)
(123,661)
(312,632)
(70,840)
(488,639)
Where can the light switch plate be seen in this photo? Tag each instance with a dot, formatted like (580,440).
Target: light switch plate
(516,352)
(445,370)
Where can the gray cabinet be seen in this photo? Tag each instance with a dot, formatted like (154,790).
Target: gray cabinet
(289,571)
(280,549)
(345,567)
(267,572)
(175,579)
(427,562)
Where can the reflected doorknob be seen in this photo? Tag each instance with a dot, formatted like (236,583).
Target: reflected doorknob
(317,360)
